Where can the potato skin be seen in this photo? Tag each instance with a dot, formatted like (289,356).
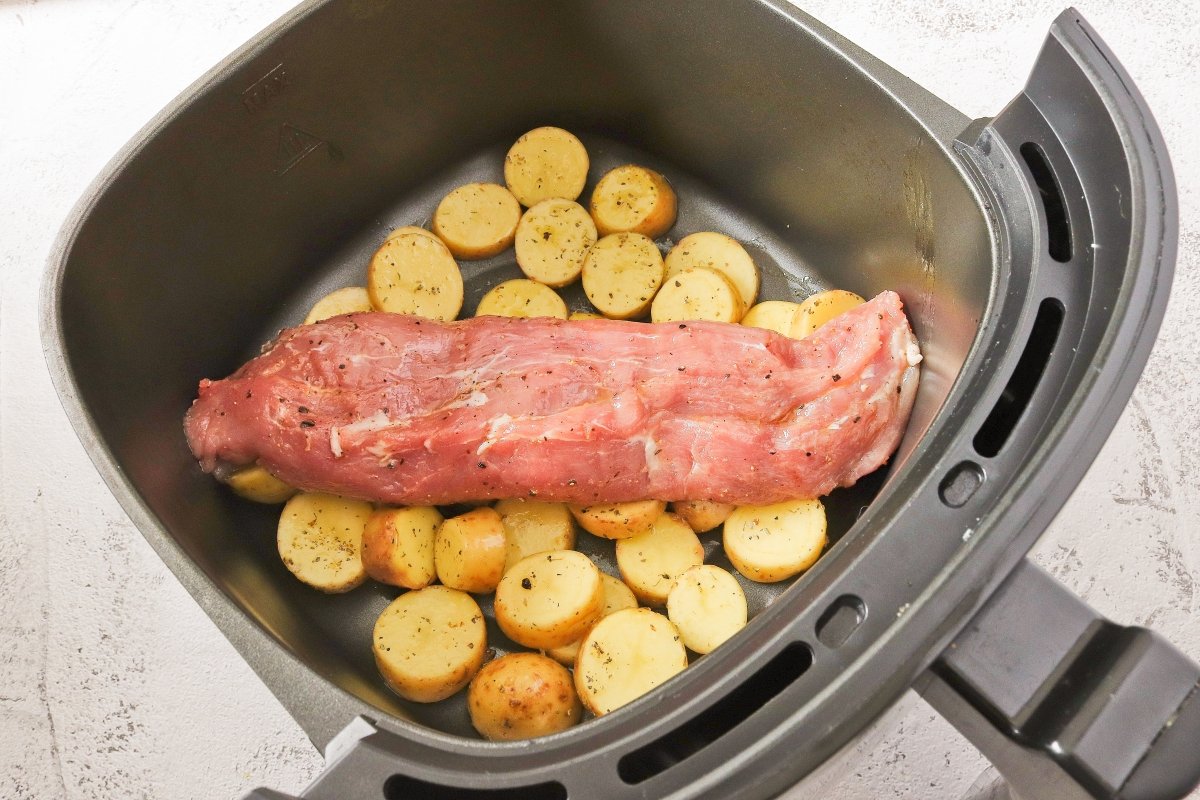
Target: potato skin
(523,696)
(397,546)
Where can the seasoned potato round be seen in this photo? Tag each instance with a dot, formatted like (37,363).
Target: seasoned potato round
(633,199)
(469,551)
(621,273)
(774,542)
(708,606)
(522,696)
(779,316)
(477,220)
(429,643)
(521,298)
(617,597)
(702,515)
(531,526)
(696,294)
(626,655)
(651,562)
(415,274)
(255,483)
(349,300)
(720,253)
(397,546)
(584,315)
(546,163)
(552,239)
(618,520)
(320,540)
(416,229)
(821,308)
(549,599)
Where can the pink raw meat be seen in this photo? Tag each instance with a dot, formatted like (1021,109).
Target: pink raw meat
(405,410)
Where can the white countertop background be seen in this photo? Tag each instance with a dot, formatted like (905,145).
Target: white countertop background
(113,683)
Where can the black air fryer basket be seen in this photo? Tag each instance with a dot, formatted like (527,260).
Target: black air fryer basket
(1033,251)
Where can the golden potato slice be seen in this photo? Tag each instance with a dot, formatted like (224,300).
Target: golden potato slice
(552,239)
(696,294)
(397,546)
(618,520)
(429,643)
(633,199)
(621,274)
(617,597)
(418,230)
(584,315)
(522,696)
(546,163)
(415,274)
(469,551)
(521,298)
(531,526)
(822,307)
(349,300)
(779,316)
(651,562)
(477,220)
(626,655)
(708,606)
(720,253)
(255,483)
(702,515)
(320,540)
(549,599)
(774,542)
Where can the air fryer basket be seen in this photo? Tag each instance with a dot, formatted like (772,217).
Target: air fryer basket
(1033,251)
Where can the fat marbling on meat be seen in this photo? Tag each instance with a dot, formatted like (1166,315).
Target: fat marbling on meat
(405,410)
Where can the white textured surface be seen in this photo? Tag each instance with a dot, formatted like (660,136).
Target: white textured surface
(114,684)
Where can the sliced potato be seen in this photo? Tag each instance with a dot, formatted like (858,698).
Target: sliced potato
(621,274)
(584,315)
(522,696)
(774,315)
(633,199)
(774,542)
(469,551)
(415,274)
(708,606)
(546,163)
(720,253)
(696,294)
(320,540)
(618,520)
(549,599)
(521,298)
(626,655)
(397,546)
(429,643)
(552,239)
(531,526)
(822,307)
(702,515)
(255,483)
(617,597)
(418,230)
(477,220)
(348,300)
(651,562)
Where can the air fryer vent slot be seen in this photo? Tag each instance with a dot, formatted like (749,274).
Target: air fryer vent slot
(840,620)
(402,787)
(1005,415)
(1058,224)
(723,716)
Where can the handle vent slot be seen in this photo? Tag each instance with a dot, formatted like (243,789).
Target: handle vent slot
(1058,223)
(1005,415)
(723,716)
(402,787)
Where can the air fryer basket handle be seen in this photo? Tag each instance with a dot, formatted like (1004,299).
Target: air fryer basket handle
(1066,703)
